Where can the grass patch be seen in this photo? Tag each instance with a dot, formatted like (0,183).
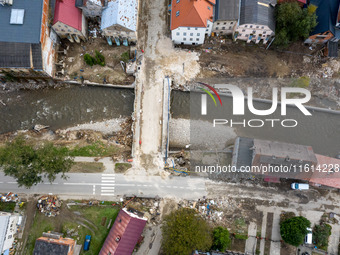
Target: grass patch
(67,221)
(241,237)
(125,57)
(302,82)
(87,167)
(41,224)
(96,149)
(95,214)
(7,206)
(122,167)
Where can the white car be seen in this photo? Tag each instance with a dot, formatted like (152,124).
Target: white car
(309,237)
(300,186)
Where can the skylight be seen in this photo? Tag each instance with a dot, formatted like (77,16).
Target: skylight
(17,16)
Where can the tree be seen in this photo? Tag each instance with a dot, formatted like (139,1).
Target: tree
(294,230)
(321,234)
(100,59)
(89,59)
(221,239)
(293,23)
(185,231)
(29,165)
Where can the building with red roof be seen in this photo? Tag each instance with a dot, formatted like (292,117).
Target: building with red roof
(124,234)
(69,21)
(191,20)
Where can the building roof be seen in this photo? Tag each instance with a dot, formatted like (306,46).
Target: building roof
(29,31)
(50,246)
(326,12)
(67,13)
(243,155)
(259,12)
(284,150)
(227,10)
(4,220)
(326,176)
(128,228)
(18,55)
(191,13)
(120,12)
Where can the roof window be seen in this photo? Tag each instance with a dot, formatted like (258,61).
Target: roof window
(17,16)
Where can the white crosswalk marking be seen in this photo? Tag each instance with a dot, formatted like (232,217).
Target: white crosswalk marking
(107,185)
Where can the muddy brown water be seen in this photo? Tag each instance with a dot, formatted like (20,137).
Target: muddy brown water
(61,108)
(321,130)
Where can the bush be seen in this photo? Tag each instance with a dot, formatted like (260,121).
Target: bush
(294,230)
(321,234)
(89,59)
(125,57)
(184,231)
(221,239)
(100,59)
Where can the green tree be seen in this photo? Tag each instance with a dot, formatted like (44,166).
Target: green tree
(294,230)
(293,23)
(89,59)
(29,165)
(221,239)
(184,231)
(321,234)
(100,59)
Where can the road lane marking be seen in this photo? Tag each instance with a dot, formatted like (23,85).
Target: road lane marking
(12,182)
(108,194)
(94,189)
(77,183)
(108,174)
(108,178)
(107,188)
(108,181)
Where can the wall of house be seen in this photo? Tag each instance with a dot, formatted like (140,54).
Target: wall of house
(188,35)
(119,31)
(253,33)
(63,30)
(224,26)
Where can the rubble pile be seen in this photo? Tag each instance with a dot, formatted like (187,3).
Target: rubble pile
(150,207)
(124,136)
(49,205)
(9,197)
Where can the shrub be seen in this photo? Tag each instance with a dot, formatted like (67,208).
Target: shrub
(321,234)
(99,58)
(221,239)
(125,56)
(89,59)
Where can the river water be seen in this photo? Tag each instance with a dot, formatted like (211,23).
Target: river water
(60,108)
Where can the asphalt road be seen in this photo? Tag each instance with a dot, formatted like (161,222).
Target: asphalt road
(105,186)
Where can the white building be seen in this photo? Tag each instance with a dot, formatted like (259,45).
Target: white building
(8,229)
(257,21)
(226,16)
(191,21)
(119,21)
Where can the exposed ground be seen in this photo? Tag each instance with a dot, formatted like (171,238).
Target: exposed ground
(87,167)
(111,73)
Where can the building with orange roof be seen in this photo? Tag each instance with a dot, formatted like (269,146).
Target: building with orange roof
(327,172)
(52,243)
(191,21)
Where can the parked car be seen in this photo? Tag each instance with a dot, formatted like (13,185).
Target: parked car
(87,242)
(309,237)
(300,186)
